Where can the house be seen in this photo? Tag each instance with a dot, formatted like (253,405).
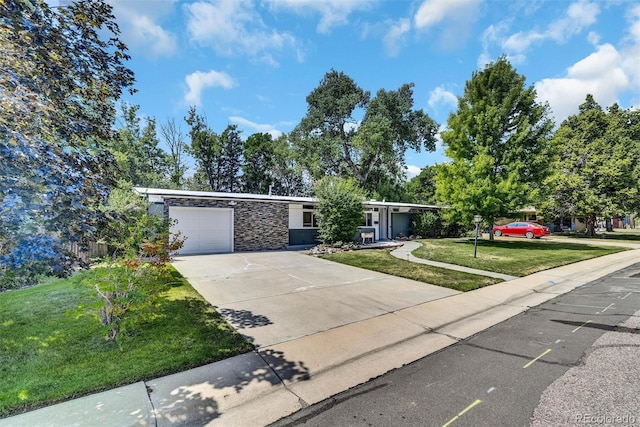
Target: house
(216,222)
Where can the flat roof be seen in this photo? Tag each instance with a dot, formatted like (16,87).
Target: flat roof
(160,192)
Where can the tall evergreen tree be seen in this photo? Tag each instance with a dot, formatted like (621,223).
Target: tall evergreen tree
(232,148)
(498,143)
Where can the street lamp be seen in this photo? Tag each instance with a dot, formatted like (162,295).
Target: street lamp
(477,219)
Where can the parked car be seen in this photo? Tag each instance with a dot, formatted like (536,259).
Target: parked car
(527,229)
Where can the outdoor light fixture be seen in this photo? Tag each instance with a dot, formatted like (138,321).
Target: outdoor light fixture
(232,203)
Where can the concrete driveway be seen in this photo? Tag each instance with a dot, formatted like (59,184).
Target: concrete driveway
(275,297)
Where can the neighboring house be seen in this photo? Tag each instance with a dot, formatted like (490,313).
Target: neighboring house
(560,224)
(227,222)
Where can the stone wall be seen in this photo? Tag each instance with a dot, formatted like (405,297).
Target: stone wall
(257,225)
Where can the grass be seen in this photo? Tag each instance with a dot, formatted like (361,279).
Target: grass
(52,350)
(516,257)
(383,262)
(627,235)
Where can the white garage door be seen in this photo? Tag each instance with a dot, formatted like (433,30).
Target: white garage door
(208,230)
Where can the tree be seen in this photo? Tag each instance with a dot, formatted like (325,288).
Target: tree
(331,140)
(205,148)
(498,141)
(174,138)
(270,167)
(287,174)
(597,169)
(60,74)
(340,209)
(422,187)
(141,162)
(259,163)
(231,159)
(219,157)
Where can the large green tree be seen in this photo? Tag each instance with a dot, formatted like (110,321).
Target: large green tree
(422,187)
(219,157)
(270,167)
(61,71)
(232,148)
(141,161)
(259,163)
(347,133)
(597,169)
(498,142)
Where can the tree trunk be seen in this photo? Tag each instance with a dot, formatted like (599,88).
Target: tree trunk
(609,225)
(591,225)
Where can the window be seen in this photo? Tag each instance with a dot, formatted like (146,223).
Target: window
(367,220)
(309,219)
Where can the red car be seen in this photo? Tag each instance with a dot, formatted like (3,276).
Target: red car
(527,229)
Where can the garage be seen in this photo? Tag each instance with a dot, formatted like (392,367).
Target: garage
(208,230)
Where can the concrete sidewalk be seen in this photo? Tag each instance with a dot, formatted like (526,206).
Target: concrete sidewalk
(404,252)
(262,386)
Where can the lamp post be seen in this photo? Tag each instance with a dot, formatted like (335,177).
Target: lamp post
(477,219)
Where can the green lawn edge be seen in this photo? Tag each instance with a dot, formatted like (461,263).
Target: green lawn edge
(516,257)
(382,261)
(51,350)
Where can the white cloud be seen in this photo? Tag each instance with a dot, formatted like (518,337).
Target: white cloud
(456,16)
(579,15)
(412,170)
(333,13)
(262,128)
(198,81)
(440,96)
(395,36)
(233,27)
(432,12)
(604,74)
(140,31)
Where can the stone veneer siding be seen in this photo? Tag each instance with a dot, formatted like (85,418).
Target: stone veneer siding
(257,225)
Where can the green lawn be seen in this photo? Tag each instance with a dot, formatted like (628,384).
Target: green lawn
(624,235)
(517,257)
(51,351)
(380,260)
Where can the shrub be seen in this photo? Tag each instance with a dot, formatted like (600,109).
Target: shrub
(339,209)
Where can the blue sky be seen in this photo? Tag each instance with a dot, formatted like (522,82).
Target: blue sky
(252,63)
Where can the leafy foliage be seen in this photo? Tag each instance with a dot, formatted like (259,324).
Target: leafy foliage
(597,167)
(139,158)
(339,209)
(60,73)
(219,157)
(331,140)
(422,187)
(498,143)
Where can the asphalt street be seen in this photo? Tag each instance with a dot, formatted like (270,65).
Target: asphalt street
(497,377)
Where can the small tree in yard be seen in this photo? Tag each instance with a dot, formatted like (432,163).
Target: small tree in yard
(339,209)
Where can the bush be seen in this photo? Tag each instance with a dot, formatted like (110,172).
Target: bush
(430,224)
(339,209)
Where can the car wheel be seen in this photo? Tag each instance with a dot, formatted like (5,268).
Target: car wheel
(529,235)
(497,233)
